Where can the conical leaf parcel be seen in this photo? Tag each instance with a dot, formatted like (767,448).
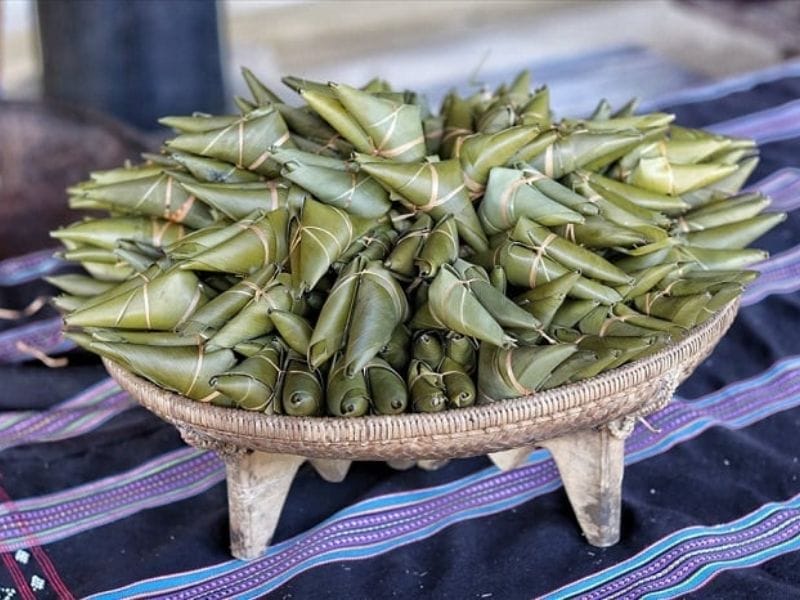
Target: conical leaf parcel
(211,170)
(262,95)
(544,300)
(258,243)
(426,388)
(458,122)
(440,247)
(246,143)
(198,122)
(510,196)
(437,188)
(302,390)
(428,348)
(735,235)
(182,369)
(723,212)
(346,396)
(578,149)
(401,258)
(79,284)
(374,245)
(254,384)
(293,329)
(380,306)
(458,385)
(454,305)
(387,388)
(160,304)
(659,175)
(239,201)
(357,193)
(104,233)
(537,110)
(639,196)
(329,108)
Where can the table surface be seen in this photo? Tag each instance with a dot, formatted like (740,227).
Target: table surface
(99,498)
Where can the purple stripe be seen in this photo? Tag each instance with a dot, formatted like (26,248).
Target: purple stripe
(779,122)
(28,267)
(779,275)
(44,335)
(783,187)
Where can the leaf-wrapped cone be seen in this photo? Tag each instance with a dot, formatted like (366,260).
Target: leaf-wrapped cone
(330,330)
(324,234)
(637,319)
(654,201)
(544,300)
(380,306)
(285,156)
(211,170)
(570,255)
(426,388)
(254,319)
(78,284)
(535,147)
(198,122)
(478,153)
(602,111)
(145,338)
(66,303)
(697,282)
(611,125)
(682,310)
(346,396)
(334,113)
(510,196)
(374,245)
(105,233)
(436,188)
(396,351)
(528,267)
(357,193)
(721,297)
(597,232)
(571,369)
(517,372)
(726,186)
(401,258)
(302,390)
(460,348)
(294,330)
(440,247)
(659,175)
(454,305)
(723,212)
(246,143)
(458,384)
(254,384)
(457,122)
(261,93)
(387,389)
(160,304)
(93,254)
(312,131)
(503,309)
(537,110)
(712,259)
(239,201)
(182,369)
(602,321)
(571,312)
(580,148)
(428,347)
(258,243)
(735,235)
(157,195)
(645,280)
(394,129)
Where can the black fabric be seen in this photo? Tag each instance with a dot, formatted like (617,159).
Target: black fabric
(519,553)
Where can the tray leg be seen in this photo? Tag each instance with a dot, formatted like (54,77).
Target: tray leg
(331,469)
(505,460)
(431,465)
(591,464)
(258,484)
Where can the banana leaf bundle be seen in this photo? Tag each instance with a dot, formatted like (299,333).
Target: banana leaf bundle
(362,254)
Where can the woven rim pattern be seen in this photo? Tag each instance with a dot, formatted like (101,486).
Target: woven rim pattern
(632,390)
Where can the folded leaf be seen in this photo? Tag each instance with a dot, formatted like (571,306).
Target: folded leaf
(387,389)
(440,247)
(346,396)
(302,391)
(426,388)
(254,384)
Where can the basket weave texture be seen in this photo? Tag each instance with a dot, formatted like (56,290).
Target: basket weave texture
(631,391)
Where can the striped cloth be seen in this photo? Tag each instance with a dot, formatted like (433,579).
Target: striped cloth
(101,499)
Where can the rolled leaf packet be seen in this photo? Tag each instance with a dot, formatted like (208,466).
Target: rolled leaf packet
(696,282)
(182,369)
(454,306)
(254,384)
(140,256)
(159,195)
(516,372)
(735,235)
(294,330)
(527,267)
(602,111)
(145,338)
(502,308)
(427,347)
(572,368)
(395,129)
(322,100)
(713,259)
(197,122)
(396,351)
(580,148)
(643,198)
(602,321)
(158,304)
(682,310)
(310,130)
(645,280)
(401,258)
(536,111)
(510,196)
(255,318)
(461,349)
(459,387)
(324,234)
(566,253)
(426,388)
(78,284)
(380,306)
(723,212)
(258,243)
(458,122)
(67,303)
(211,170)
(478,153)
(571,312)
(238,201)
(262,95)
(659,175)
(357,193)
(614,124)
(374,245)
(440,247)
(544,300)
(498,116)
(597,232)
(437,188)
(246,143)
(726,186)
(207,319)
(346,395)
(387,388)
(302,394)
(105,233)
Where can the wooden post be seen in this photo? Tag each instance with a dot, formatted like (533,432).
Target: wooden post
(591,464)
(505,460)
(331,469)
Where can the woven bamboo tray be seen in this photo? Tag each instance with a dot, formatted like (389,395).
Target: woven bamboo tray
(584,425)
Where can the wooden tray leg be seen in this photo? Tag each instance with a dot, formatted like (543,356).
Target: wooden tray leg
(591,464)
(258,484)
(331,469)
(506,460)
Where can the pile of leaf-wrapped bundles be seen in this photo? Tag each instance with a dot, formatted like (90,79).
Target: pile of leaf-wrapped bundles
(359,254)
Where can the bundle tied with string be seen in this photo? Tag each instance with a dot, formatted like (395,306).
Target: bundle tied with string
(363,254)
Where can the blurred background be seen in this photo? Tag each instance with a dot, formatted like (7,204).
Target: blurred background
(82,82)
